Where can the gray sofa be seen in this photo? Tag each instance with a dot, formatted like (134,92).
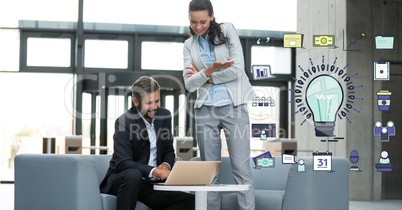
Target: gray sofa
(285,188)
(71,182)
(62,182)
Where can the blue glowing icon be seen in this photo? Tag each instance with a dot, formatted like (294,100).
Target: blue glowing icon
(324,97)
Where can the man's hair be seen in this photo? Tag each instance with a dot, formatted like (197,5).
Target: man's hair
(144,85)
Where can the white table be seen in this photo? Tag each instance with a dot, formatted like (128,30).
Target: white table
(201,191)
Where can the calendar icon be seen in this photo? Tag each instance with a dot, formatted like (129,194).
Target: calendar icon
(322,161)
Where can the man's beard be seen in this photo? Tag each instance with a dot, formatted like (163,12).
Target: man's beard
(146,115)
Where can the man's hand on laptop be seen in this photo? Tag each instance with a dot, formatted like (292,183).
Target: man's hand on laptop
(161,173)
(164,165)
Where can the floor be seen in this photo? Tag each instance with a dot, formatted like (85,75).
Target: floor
(7,201)
(376,205)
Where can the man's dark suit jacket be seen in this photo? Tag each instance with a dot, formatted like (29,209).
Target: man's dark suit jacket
(131,144)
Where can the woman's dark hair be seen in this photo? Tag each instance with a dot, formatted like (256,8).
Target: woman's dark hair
(214,28)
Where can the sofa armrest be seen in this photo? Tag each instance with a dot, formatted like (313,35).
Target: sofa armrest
(63,182)
(102,165)
(317,190)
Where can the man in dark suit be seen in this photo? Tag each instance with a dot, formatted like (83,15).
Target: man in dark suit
(143,153)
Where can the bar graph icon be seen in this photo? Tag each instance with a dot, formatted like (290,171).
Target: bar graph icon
(262,72)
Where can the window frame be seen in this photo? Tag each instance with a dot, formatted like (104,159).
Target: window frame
(154,38)
(111,37)
(135,35)
(24,35)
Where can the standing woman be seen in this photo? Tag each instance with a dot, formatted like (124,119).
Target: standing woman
(214,66)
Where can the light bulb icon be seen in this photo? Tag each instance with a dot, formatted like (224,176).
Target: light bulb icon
(324,96)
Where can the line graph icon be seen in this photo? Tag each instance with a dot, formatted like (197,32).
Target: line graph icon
(353,42)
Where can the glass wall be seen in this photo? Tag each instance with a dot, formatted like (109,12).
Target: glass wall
(278,58)
(255,14)
(48,10)
(57,53)
(37,105)
(33,106)
(162,55)
(9,49)
(106,54)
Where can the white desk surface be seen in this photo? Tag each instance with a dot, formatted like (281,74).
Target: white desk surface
(213,187)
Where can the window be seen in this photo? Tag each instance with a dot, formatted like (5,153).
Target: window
(57,53)
(272,15)
(180,113)
(162,55)
(112,54)
(47,52)
(151,12)
(9,50)
(47,43)
(31,111)
(278,58)
(264,111)
(47,10)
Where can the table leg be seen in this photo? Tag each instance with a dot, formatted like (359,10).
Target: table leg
(201,200)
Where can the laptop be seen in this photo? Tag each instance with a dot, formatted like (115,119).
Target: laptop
(192,173)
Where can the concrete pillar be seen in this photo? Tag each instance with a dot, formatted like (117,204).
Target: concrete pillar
(348,20)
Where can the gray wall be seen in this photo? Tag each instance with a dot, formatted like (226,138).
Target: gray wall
(349,19)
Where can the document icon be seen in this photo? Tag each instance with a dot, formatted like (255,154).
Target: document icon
(381,70)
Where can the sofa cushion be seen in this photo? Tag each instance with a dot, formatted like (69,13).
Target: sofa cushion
(264,200)
(108,202)
(317,190)
(270,178)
